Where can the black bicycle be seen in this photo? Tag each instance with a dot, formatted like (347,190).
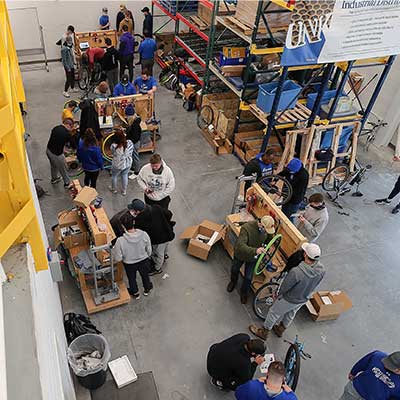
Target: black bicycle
(371,132)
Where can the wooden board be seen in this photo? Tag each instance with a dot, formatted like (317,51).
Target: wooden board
(96,38)
(202,25)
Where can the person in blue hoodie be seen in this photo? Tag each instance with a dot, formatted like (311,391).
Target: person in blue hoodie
(271,387)
(124,88)
(126,50)
(375,377)
(261,165)
(89,155)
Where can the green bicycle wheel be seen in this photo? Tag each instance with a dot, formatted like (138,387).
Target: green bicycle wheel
(265,258)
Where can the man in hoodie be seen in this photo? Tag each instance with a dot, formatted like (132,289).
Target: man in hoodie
(157,182)
(110,64)
(134,250)
(261,165)
(294,292)
(298,177)
(126,50)
(148,21)
(124,88)
(158,224)
(312,222)
(252,236)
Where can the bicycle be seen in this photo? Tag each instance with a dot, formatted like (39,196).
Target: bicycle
(292,362)
(372,132)
(340,180)
(87,78)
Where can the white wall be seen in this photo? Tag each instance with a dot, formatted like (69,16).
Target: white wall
(56,15)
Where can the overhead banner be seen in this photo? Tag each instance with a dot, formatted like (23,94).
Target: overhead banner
(325,31)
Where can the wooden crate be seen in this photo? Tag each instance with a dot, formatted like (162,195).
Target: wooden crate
(205,13)
(96,38)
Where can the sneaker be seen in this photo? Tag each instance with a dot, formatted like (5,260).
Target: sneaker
(396,210)
(112,190)
(155,272)
(66,94)
(123,193)
(147,292)
(54,181)
(68,185)
(133,176)
(217,384)
(136,295)
(382,201)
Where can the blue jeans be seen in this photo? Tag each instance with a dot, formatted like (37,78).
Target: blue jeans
(289,209)
(248,274)
(124,178)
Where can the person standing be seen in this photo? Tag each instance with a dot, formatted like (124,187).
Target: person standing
(89,154)
(298,177)
(252,236)
(134,250)
(60,135)
(110,64)
(67,59)
(147,22)
(270,387)
(126,49)
(375,376)
(233,361)
(157,222)
(121,16)
(128,22)
(157,182)
(121,162)
(313,221)
(147,50)
(134,134)
(104,20)
(294,292)
(387,200)
(145,84)
(124,88)
(89,117)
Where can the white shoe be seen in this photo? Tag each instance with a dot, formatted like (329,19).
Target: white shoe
(132,176)
(66,94)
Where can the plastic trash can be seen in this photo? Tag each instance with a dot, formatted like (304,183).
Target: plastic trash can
(89,370)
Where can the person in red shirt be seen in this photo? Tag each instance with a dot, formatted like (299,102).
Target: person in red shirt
(92,55)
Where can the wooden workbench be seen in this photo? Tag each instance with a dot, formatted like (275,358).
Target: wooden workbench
(292,239)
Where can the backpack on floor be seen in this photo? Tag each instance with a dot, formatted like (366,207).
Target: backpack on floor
(76,325)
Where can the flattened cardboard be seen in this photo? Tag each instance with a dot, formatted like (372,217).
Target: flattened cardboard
(85,197)
(328,305)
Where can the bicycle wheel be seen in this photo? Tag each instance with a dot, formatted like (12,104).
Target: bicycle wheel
(336,178)
(138,38)
(292,366)
(205,117)
(172,83)
(276,187)
(74,168)
(263,299)
(84,77)
(270,250)
(105,147)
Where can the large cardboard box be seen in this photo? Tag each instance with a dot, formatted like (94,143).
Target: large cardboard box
(202,237)
(71,231)
(85,196)
(234,52)
(328,305)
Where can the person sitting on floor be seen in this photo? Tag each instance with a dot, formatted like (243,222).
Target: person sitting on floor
(124,88)
(270,387)
(233,361)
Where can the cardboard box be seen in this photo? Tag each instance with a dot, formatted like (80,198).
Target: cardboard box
(85,197)
(202,237)
(66,220)
(328,305)
(234,52)
(232,70)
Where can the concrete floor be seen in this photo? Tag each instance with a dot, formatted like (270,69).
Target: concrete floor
(170,332)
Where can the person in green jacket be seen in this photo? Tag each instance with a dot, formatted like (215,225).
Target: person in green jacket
(252,236)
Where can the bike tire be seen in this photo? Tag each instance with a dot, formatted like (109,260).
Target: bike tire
(205,117)
(263,299)
(84,77)
(97,74)
(335,178)
(277,187)
(74,169)
(262,261)
(105,147)
(292,366)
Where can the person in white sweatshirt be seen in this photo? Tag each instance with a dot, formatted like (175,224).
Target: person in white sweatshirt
(312,222)
(157,181)
(134,250)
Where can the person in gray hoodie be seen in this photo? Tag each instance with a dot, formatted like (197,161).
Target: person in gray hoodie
(312,222)
(294,292)
(134,250)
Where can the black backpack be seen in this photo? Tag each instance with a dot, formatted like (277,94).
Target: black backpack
(134,131)
(76,325)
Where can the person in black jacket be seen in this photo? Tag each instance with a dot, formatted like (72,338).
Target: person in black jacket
(158,224)
(110,64)
(89,118)
(121,15)
(233,361)
(134,134)
(148,21)
(261,165)
(298,177)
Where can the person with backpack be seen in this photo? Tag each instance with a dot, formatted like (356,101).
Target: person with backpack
(110,64)
(121,162)
(89,154)
(134,250)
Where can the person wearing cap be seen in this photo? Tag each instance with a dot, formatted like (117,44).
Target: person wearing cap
(313,221)
(157,222)
(147,22)
(269,387)
(124,88)
(121,15)
(145,83)
(294,292)
(233,361)
(147,50)
(253,235)
(375,376)
(126,50)
(298,178)
(104,20)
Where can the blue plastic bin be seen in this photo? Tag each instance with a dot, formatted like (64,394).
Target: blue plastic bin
(230,61)
(326,98)
(267,91)
(326,141)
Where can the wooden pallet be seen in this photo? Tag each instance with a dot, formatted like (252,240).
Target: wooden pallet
(293,116)
(202,25)
(247,30)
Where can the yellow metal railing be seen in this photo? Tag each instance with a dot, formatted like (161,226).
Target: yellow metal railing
(18,219)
